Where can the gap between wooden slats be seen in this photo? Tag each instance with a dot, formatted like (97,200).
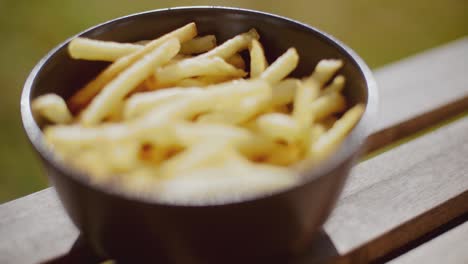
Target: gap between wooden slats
(402,194)
(450,247)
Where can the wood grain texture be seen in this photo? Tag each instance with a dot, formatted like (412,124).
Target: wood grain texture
(421,90)
(450,247)
(389,200)
(402,194)
(34,228)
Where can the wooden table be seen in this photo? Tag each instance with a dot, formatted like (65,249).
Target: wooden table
(406,204)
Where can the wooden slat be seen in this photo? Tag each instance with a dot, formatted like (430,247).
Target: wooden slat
(421,90)
(34,228)
(450,247)
(402,194)
(354,236)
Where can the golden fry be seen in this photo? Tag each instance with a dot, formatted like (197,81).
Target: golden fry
(258,62)
(282,67)
(277,126)
(141,103)
(90,49)
(324,70)
(84,95)
(237,61)
(327,105)
(336,85)
(178,127)
(199,45)
(283,93)
(115,91)
(193,67)
(329,141)
(306,93)
(51,107)
(232,46)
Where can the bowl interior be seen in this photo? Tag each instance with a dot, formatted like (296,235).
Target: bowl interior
(60,74)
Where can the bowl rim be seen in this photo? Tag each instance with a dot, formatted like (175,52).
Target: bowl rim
(360,131)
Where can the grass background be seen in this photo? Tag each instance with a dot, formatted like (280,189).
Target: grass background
(380,31)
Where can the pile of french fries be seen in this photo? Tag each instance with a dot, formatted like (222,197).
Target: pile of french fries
(178,117)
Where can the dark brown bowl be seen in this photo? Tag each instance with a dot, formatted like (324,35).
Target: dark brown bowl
(267,227)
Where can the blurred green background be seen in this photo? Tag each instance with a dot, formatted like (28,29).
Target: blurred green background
(380,31)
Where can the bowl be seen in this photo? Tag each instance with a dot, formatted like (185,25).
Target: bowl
(270,227)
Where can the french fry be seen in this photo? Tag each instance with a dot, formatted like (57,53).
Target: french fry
(305,111)
(141,103)
(203,154)
(237,61)
(306,93)
(276,126)
(283,66)
(316,131)
(91,49)
(336,85)
(327,122)
(284,155)
(228,182)
(51,107)
(116,113)
(116,90)
(199,45)
(177,127)
(239,113)
(231,46)
(193,67)
(97,50)
(191,82)
(324,70)
(226,95)
(211,80)
(216,97)
(258,62)
(330,140)
(283,93)
(84,95)
(326,105)
(248,143)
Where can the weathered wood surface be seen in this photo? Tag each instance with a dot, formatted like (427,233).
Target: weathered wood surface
(450,247)
(34,228)
(389,200)
(418,91)
(402,194)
